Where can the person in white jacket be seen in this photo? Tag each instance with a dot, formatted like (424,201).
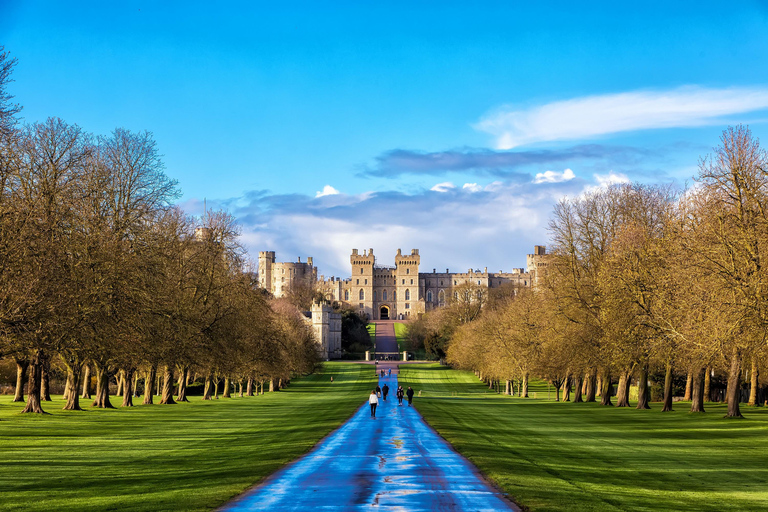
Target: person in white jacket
(374,401)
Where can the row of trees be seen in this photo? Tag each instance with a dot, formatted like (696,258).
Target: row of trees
(99,270)
(643,283)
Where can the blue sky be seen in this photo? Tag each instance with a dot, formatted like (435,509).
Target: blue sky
(448,126)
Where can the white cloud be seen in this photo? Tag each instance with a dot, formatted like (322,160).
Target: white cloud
(590,116)
(327,191)
(612,178)
(554,177)
(443,187)
(472,187)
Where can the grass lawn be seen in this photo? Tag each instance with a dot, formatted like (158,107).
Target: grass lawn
(191,456)
(401,330)
(561,456)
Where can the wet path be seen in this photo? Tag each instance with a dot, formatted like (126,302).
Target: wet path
(394,461)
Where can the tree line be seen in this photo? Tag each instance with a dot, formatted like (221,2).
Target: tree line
(100,273)
(645,284)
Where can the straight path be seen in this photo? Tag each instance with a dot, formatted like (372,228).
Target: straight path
(394,461)
(386,341)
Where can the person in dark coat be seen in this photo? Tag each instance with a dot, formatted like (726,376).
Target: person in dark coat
(409,394)
(378,390)
(400,394)
(385,391)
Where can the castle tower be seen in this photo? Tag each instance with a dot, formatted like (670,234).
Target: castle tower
(266,260)
(407,282)
(361,288)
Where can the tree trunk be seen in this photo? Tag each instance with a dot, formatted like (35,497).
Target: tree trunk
(642,389)
(261,387)
(45,381)
(167,386)
(33,383)
(120,383)
(87,382)
(149,383)
(688,386)
(734,385)
(135,384)
(525,385)
(557,391)
(208,386)
(127,387)
(667,389)
(591,386)
(577,389)
(754,383)
(240,387)
(216,387)
(21,377)
(102,389)
(508,387)
(567,388)
(73,381)
(67,391)
(606,388)
(249,386)
(697,390)
(271,385)
(599,385)
(226,388)
(183,375)
(708,384)
(622,393)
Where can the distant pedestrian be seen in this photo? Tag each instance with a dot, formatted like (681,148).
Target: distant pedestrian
(374,401)
(400,393)
(409,394)
(385,391)
(378,391)
(331,379)
(382,373)
(389,372)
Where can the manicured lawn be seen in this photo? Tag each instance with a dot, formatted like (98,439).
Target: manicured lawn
(400,332)
(191,456)
(561,456)
(371,330)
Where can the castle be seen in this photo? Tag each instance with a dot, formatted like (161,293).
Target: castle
(390,292)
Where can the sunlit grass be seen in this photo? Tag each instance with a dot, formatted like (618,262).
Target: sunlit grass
(555,456)
(190,456)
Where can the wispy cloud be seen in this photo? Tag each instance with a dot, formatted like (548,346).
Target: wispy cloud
(554,176)
(507,164)
(583,118)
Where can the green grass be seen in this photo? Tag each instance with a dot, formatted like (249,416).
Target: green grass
(191,456)
(555,456)
(371,330)
(401,330)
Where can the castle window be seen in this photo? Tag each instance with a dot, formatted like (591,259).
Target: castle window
(283,271)
(403,281)
(455,282)
(394,295)
(441,283)
(375,295)
(441,297)
(362,295)
(346,295)
(358,282)
(478,281)
(361,270)
(407,306)
(429,296)
(407,271)
(407,294)
(366,281)
(411,281)
(384,295)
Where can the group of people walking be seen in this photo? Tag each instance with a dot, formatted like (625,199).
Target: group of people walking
(383,391)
